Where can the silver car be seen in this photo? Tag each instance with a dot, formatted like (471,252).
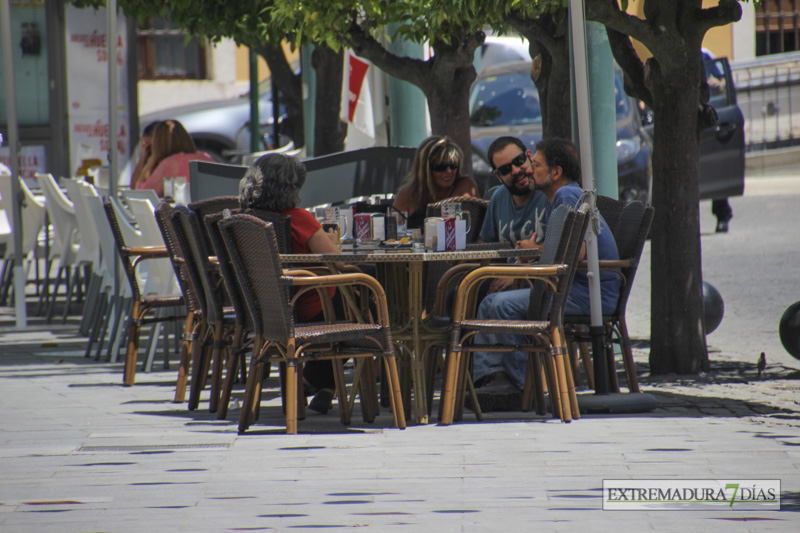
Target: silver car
(222,127)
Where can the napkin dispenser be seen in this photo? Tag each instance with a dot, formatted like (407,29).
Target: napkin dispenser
(445,234)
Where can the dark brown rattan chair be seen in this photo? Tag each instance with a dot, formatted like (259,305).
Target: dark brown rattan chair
(253,249)
(210,206)
(630,233)
(244,320)
(543,328)
(611,209)
(142,304)
(223,327)
(194,319)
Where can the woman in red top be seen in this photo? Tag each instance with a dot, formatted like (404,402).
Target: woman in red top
(170,153)
(273,183)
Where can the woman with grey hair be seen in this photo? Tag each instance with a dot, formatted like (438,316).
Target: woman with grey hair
(273,183)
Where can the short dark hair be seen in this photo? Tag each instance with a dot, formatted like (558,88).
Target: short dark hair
(562,153)
(272,183)
(499,144)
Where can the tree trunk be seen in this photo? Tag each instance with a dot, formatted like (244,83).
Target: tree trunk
(329,130)
(448,105)
(291,93)
(550,72)
(677,330)
(445,79)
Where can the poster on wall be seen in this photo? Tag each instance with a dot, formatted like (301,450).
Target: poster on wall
(32,159)
(87,89)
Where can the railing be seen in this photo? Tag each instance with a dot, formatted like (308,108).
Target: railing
(768,91)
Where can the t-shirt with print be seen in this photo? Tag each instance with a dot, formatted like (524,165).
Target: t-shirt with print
(505,222)
(606,249)
(304,225)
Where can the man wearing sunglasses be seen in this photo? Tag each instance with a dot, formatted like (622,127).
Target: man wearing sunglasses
(516,205)
(500,376)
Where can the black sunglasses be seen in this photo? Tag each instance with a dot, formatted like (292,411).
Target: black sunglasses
(441,167)
(518,161)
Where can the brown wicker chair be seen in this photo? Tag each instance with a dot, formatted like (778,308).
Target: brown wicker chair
(253,248)
(244,320)
(224,331)
(552,280)
(195,325)
(142,304)
(630,224)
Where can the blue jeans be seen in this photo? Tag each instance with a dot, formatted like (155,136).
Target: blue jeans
(507,305)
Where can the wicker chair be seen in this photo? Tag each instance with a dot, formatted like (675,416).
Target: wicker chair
(211,206)
(143,304)
(630,233)
(253,248)
(244,320)
(195,325)
(223,325)
(543,327)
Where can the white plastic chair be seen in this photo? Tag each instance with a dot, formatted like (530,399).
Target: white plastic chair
(112,307)
(66,240)
(33,214)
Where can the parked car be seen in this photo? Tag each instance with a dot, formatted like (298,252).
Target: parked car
(505,101)
(222,127)
(722,148)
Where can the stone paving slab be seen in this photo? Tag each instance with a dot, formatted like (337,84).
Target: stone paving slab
(80,452)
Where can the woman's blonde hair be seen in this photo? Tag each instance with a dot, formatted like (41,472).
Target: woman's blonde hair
(434,150)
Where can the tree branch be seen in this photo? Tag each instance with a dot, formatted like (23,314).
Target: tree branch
(726,12)
(404,68)
(631,65)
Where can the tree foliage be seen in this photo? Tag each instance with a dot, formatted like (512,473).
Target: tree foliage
(453,29)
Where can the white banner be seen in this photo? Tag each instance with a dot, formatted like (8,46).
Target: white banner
(363,103)
(87,87)
(692,494)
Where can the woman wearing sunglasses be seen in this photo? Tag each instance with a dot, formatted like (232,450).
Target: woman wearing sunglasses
(437,174)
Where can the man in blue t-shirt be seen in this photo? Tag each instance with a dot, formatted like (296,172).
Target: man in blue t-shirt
(500,376)
(514,207)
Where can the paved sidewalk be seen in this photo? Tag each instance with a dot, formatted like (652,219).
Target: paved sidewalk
(82,453)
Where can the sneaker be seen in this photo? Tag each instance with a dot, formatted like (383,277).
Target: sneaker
(722,226)
(496,392)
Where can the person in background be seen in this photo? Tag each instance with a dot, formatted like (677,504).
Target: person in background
(715,77)
(145,143)
(437,173)
(171,150)
(273,183)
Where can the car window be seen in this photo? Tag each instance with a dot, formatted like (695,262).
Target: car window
(505,99)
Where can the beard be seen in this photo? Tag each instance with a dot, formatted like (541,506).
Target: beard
(517,190)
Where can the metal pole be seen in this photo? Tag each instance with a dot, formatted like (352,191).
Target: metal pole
(113,93)
(255,121)
(584,136)
(113,83)
(13,152)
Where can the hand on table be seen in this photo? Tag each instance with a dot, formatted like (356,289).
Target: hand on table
(528,243)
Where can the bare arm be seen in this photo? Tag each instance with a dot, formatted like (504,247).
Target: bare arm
(321,243)
(404,202)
